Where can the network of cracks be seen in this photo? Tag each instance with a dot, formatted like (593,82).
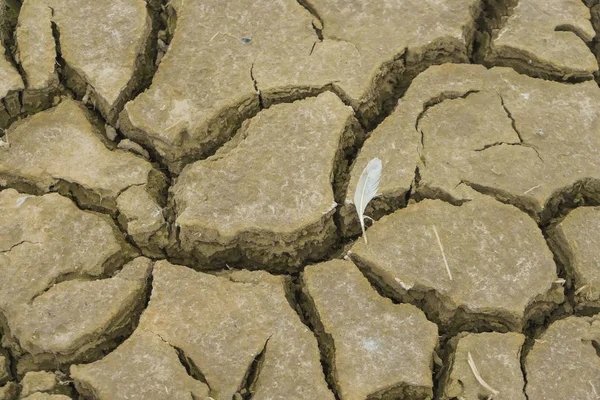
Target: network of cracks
(177,184)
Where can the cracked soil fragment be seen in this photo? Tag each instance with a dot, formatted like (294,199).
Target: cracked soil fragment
(249,54)
(496,357)
(63,150)
(221,336)
(500,281)
(11,83)
(149,369)
(37,55)
(270,198)
(564,362)
(547,39)
(525,141)
(576,241)
(378,350)
(43,241)
(369,47)
(43,382)
(55,326)
(104,46)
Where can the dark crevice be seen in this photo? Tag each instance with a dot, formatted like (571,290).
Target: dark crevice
(492,18)
(186,362)
(514,126)
(260,98)
(488,146)
(8,23)
(446,351)
(190,367)
(427,192)
(146,64)
(65,277)
(596,346)
(18,244)
(12,358)
(312,49)
(447,95)
(580,193)
(415,184)
(527,346)
(594,45)
(562,272)
(318,24)
(325,341)
(12,103)
(572,29)
(509,115)
(59,62)
(246,390)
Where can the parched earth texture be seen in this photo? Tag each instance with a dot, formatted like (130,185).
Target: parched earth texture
(177,216)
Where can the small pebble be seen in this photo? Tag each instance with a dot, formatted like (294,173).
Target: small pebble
(111,132)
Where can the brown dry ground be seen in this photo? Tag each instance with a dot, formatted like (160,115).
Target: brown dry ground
(176,199)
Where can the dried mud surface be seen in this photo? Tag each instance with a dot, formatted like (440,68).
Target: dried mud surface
(177,216)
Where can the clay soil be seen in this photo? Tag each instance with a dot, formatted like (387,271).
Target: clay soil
(177,185)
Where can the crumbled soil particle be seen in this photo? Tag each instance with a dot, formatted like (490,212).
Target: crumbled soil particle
(44,382)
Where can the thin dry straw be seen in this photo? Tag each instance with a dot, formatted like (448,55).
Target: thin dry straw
(478,377)
(442,250)
(532,189)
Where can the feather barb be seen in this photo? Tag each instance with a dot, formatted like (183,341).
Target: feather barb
(366,190)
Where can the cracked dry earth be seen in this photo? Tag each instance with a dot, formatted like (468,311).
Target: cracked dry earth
(176,200)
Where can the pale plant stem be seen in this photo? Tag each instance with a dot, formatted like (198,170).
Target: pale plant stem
(478,376)
(532,189)
(442,250)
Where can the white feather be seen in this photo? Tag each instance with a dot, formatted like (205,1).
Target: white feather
(366,189)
